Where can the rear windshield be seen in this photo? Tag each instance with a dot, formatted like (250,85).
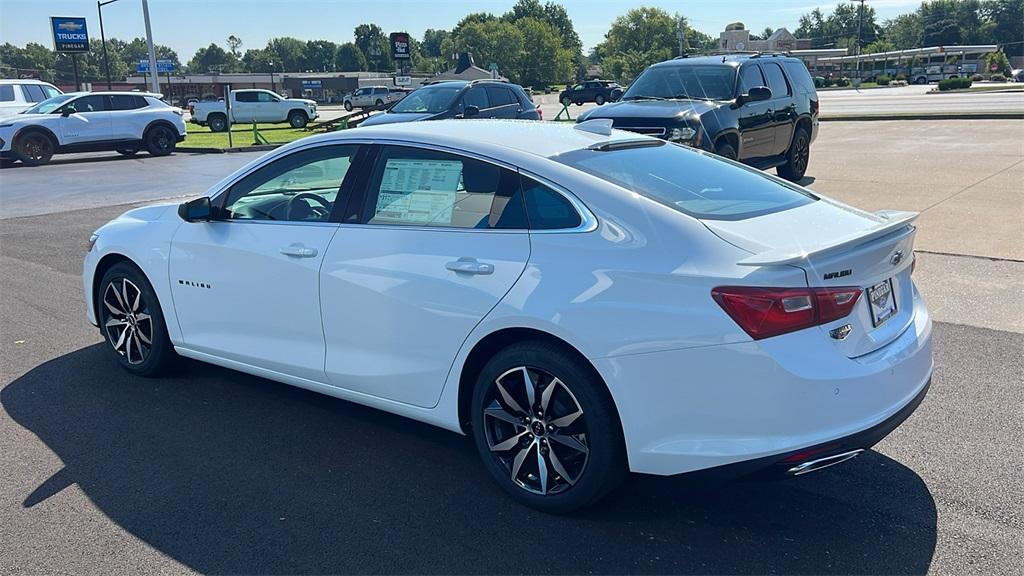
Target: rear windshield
(701,185)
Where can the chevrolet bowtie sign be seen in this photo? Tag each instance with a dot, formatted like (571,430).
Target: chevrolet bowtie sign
(69,34)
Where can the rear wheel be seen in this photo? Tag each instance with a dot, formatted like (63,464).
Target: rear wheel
(546,428)
(35,148)
(348,106)
(297,119)
(217,122)
(797,157)
(599,99)
(725,150)
(160,140)
(131,321)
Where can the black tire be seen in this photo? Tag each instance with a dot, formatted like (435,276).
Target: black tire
(599,99)
(348,106)
(596,469)
(217,122)
(566,101)
(160,140)
(35,147)
(128,151)
(922,80)
(616,94)
(126,333)
(578,102)
(297,119)
(725,150)
(378,103)
(797,157)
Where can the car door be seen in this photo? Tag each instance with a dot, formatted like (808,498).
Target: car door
(125,121)
(268,108)
(246,285)
(88,121)
(503,103)
(476,96)
(757,134)
(784,113)
(440,240)
(244,105)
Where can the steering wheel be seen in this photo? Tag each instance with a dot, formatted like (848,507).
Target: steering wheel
(322,211)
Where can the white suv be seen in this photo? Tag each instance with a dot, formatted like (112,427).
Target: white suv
(90,121)
(19,95)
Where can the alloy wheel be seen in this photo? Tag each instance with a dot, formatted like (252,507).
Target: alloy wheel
(801,154)
(535,428)
(37,147)
(128,323)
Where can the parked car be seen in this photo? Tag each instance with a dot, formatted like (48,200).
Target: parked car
(461,99)
(1017,75)
(759,109)
(371,96)
(91,121)
(599,91)
(20,95)
(254,105)
(582,301)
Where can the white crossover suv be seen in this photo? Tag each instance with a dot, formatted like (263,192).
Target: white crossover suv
(582,301)
(90,121)
(19,95)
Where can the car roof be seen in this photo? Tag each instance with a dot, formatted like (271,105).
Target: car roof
(543,139)
(722,59)
(114,93)
(24,81)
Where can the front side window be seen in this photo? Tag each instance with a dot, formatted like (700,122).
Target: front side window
(50,91)
(476,96)
(679,82)
(93,103)
(50,105)
(265,97)
(301,187)
(750,77)
(691,182)
(417,187)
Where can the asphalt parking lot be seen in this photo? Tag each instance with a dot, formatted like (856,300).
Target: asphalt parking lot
(215,471)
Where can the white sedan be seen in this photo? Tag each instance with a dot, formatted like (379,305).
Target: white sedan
(583,302)
(125,122)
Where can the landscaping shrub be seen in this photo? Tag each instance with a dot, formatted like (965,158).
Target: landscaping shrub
(819,82)
(883,80)
(901,77)
(977,78)
(998,78)
(842,82)
(954,84)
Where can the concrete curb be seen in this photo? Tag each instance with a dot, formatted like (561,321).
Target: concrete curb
(926,116)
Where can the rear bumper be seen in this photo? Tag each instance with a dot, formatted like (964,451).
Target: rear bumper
(757,403)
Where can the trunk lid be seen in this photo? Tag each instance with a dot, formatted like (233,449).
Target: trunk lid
(838,246)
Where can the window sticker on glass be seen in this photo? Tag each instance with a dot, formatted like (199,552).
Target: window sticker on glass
(418,192)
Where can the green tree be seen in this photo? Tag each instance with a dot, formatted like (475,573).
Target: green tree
(258,60)
(544,60)
(1005,24)
(234,43)
(638,39)
(432,40)
(880,45)
(349,58)
(375,46)
(997,63)
(213,58)
(492,40)
(903,31)
(319,55)
(288,54)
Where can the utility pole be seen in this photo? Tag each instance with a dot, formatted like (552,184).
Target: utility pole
(860,23)
(154,77)
(103,39)
(681,36)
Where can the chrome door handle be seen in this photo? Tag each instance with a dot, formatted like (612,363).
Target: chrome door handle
(470,266)
(299,251)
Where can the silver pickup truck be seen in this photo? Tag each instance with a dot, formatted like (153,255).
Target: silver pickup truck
(248,106)
(369,96)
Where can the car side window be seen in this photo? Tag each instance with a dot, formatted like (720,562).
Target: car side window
(750,77)
(476,96)
(126,102)
(301,187)
(265,97)
(417,187)
(6,93)
(799,75)
(245,97)
(499,96)
(33,92)
(547,209)
(49,92)
(93,103)
(776,80)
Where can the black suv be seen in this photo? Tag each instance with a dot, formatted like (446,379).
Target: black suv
(761,109)
(460,99)
(599,91)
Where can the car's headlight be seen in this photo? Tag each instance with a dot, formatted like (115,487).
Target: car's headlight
(684,134)
(92,241)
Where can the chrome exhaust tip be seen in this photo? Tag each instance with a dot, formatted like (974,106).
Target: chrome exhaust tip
(820,463)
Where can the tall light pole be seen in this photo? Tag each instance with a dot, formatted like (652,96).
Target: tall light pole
(860,22)
(103,39)
(154,77)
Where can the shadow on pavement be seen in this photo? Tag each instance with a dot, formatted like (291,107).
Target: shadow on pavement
(226,472)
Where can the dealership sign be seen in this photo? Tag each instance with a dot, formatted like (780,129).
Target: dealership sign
(163,66)
(400,46)
(69,34)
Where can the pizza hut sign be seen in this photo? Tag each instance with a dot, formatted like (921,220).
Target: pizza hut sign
(400,46)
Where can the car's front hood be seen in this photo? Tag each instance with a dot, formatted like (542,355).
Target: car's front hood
(303,100)
(396,117)
(16,118)
(662,109)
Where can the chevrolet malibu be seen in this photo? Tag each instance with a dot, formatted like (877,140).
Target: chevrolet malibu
(583,302)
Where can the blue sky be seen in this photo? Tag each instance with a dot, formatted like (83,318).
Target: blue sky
(185,25)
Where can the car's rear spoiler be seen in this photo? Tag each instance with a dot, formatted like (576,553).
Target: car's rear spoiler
(892,220)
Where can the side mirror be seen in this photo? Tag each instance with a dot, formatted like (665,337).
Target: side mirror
(197,210)
(758,94)
(471,111)
(67,112)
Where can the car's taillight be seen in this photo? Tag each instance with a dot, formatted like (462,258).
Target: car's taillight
(540,113)
(765,312)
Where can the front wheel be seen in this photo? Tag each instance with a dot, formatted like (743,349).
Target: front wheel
(132,322)
(599,100)
(546,428)
(797,157)
(348,106)
(160,140)
(35,148)
(298,119)
(378,103)
(725,150)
